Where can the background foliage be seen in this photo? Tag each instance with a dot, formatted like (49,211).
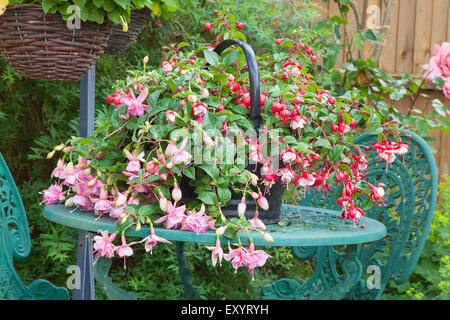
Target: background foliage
(36,114)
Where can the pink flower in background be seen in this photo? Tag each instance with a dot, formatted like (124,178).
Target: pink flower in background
(152,240)
(104,245)
(217,253)
(181,155)
(53,194)
(439,65)
(447,88)
(134,164)
(135,105)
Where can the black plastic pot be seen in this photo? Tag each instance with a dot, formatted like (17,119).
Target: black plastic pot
(274,197)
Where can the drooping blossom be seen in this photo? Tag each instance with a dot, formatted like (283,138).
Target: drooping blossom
(288,155)
(135,105)
(197,222)
(171,116)
(256,222)
(305,180)
(102,204)
(152,239)
(58,172)
(287,175)
(135,159)
(103,245)
(236,257)
(175,215)
(53,194)
(70,178)
(179,155)
(262,202)
(217,253)
(254,259)
(199,110)
(124,251)
(377,192)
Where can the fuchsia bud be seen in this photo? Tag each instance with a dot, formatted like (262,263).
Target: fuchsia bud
(208,26)
(262,202)
(242,207)
(163,202)
(176,192)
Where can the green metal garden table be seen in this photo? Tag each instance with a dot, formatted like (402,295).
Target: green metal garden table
(300,228)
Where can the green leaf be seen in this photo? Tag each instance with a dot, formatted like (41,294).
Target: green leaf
(122,3)
(224,194)
(422,126)
(211,170)
(321,142)
(189,172)
(230,58)
(212,58)
(439,107)
(375,129)
(208,198)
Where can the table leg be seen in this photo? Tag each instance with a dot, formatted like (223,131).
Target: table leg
(190,292)
(84,262)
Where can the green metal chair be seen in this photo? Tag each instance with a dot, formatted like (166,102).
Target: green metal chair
(15,243)
(412,193)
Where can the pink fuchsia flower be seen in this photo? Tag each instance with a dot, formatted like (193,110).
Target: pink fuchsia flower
(54,194)
(217,253)
(256,222)
(439,65)
(103,245)
(167,66)
(174,216)
(181,155)
(235,256)
(70,178)
(197,222)
(254,259)
(102,205)
(124,250)
(58,172)
(135,105)
(152,240)
(135,159)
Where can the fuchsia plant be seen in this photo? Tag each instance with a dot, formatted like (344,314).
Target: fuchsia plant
(185,127)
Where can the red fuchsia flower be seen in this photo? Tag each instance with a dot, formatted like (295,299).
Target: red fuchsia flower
(239,25)
(263,98)
(288,155)
(344,201)
(135,105)
(236,257)
(134,164)
(305,180)
(377,192)
(298,122)
(53,194)
(102,205)
(291,69)
(152,240)
(103,245)
(199,110)
(321,94)
(167,66)
(340,175)
(255,155)
(171,116)
(256,222)
(174,216)
(197,222)
(352,213)
(254,259)
(208,26)
(217,253)
(58,172)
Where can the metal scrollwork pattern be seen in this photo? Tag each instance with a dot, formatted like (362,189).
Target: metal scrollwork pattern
(412,193)
(15,243)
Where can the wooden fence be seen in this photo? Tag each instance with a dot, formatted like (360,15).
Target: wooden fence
(415,26)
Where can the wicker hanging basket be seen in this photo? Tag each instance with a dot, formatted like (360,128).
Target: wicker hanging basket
(119,40)
(41,46)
